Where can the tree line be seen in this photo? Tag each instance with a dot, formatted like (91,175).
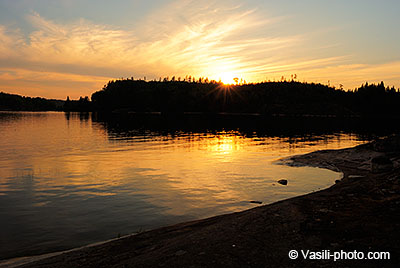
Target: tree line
(13,102)
(190,95)
(265,98)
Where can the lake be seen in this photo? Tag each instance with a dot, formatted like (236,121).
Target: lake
(67,180)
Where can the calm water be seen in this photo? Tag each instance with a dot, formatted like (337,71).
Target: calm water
(70,180)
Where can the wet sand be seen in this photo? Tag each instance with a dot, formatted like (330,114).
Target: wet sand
(360,212)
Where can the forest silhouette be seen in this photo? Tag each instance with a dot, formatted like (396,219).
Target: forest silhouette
(266,98)
(14,102)
(190,96)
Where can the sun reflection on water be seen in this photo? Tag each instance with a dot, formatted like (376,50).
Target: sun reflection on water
(224,146)
(62,170)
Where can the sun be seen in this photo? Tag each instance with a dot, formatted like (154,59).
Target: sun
(227,78)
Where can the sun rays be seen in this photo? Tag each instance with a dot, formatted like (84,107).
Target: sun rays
(220,40)
(185,37)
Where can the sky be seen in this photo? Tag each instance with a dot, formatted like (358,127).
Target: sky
(60,48)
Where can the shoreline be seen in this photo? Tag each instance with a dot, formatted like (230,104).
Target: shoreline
(360,212)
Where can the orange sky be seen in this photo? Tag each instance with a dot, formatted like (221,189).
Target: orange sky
(74,53)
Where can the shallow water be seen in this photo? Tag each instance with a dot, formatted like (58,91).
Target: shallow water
(70,180)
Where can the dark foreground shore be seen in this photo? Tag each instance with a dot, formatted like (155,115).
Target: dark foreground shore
(361,212)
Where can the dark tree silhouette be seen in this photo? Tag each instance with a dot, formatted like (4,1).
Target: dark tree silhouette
(267,98)
(289,98)
(13,102)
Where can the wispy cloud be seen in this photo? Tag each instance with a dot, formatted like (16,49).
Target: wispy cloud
(181,38)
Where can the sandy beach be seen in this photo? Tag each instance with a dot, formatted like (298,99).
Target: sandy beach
(361,212)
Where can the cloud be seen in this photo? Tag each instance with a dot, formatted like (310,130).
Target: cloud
(185,37)
(11,42)
(180,38)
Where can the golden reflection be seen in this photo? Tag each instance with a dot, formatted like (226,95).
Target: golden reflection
(224,146)
(208,170)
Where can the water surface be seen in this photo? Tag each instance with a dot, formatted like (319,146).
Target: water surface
(68,180)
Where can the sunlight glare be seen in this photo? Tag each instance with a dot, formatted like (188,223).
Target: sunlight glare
(227,78)
(224,146)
